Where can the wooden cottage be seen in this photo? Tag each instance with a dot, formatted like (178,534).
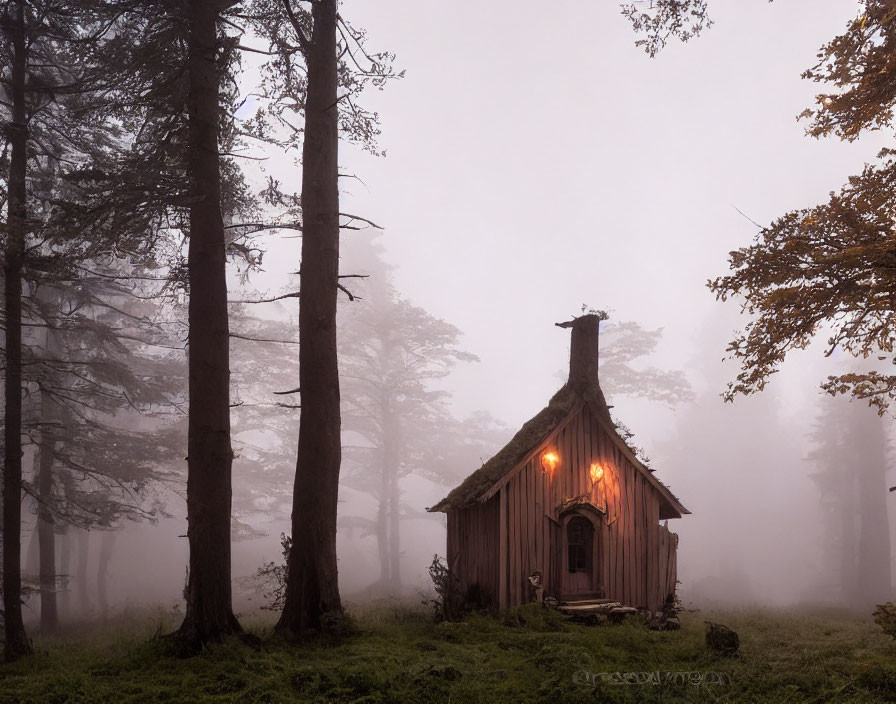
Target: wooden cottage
(566,506)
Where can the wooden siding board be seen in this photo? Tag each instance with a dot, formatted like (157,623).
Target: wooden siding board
(531,524)
(471,552)
(568,473)
(625,557)
(544,524)
(651,551)
(657,557)
(642,543)
(524,535)
(513,487)
(513,493)
(522,542)
(630,559)
(601,498)
(451,542)
(656,533)
(621,532)
(502,549)
(615,544)
(645,551)
(674,585)
(535,479)
(617,534)
(581,437)
(636,542)
(637,508)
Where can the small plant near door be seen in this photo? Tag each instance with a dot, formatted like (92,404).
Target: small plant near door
(451,602)
(447,604)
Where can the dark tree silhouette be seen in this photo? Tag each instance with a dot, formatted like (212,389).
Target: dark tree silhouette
(209,615)
(16,641)
(335,62)
(312,588)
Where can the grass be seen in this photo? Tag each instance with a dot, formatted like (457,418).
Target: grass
(525,655)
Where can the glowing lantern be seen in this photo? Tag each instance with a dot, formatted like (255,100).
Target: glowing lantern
(549,462)
(597,472)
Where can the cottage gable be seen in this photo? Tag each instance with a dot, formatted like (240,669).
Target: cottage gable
(582,389)
(565,505)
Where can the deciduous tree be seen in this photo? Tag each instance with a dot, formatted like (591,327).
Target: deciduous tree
(831,267)
(828,267)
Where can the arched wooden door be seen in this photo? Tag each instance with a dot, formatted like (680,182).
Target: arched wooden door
(578,561)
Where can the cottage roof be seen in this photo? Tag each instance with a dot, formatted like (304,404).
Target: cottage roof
(582,388)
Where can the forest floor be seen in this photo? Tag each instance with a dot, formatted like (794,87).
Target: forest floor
(527,655)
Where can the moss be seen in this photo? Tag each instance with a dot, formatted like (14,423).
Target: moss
(525,655)
(534,432)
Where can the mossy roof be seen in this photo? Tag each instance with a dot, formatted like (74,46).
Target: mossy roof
(531,435)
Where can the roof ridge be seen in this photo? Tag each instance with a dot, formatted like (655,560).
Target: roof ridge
(533,433)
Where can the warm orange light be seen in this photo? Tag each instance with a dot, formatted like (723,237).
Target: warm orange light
(597,472)
(549,461)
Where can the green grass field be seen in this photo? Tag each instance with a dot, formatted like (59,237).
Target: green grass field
(527,655)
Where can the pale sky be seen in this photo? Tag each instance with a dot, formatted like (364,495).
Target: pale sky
(537,160)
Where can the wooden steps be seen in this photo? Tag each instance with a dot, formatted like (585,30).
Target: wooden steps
(582,607)
(586,600)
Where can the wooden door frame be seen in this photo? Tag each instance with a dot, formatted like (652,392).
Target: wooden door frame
(594,517)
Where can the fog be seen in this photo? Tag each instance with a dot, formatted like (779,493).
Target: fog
(538,162)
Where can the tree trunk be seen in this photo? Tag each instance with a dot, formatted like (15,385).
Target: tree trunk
(312,599)
(107,544)
(848,507)
(382,521)
(49,614)
(84,602)
(873,558)
(17,643)
(209,615)
(65,570)
(31,553)
(392,452)
(394,530)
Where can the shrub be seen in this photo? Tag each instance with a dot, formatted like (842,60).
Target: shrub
(885,617)
(448,604)
(270,578)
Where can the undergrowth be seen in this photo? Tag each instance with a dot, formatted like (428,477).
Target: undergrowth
(529,654)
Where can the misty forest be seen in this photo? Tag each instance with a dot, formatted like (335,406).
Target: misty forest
(448,352)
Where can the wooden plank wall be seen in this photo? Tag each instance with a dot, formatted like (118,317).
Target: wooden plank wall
(668,556)
(473,546)
(636,555)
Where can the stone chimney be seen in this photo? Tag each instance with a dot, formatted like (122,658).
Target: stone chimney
(583,360)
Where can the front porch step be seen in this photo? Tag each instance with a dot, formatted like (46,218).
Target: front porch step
(588,600)
(596,606)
